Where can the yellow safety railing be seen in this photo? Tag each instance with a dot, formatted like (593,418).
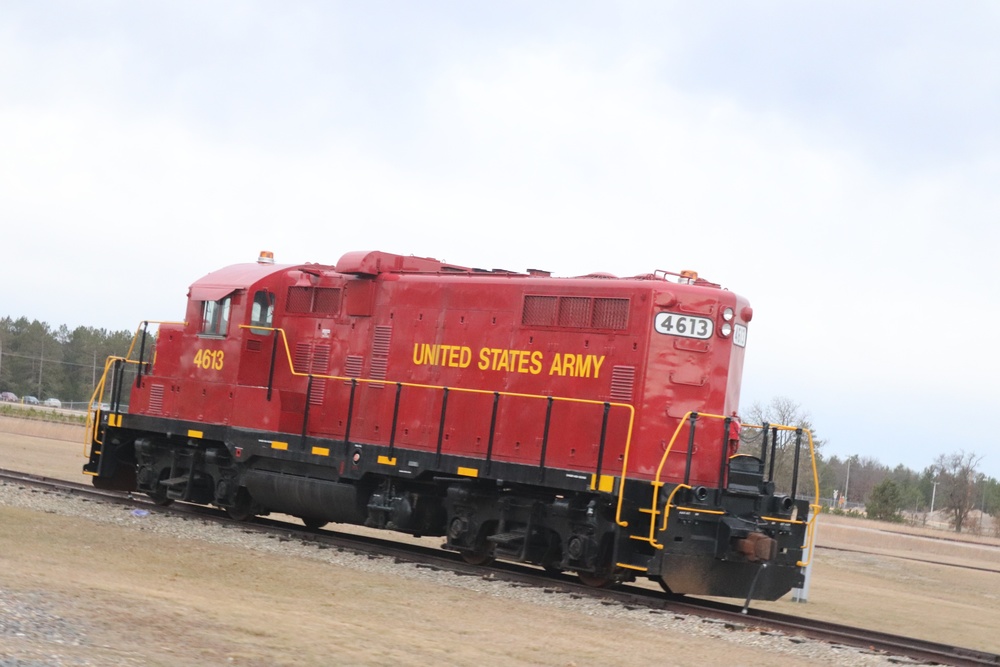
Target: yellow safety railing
(91,432)
(814,506)
(595,483)
(657,483)
(91,429)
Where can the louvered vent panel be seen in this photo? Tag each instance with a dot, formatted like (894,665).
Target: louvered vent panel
(253,345)
(622,383)
(379,368)
(156,399)
(321,359)
(320,366)
(327,301)
(318,392)
(610,314)
(380,345)
(299,300)
(302,358)
(574,311)
(540,311)
(353,365)
(380,354)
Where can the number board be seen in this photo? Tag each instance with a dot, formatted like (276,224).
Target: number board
(687,326)
(740,335)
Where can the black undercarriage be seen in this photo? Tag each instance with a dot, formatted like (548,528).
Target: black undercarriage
(741,541)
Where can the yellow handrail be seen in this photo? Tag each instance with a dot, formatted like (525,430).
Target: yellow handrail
(657,482)
(90,433)
(627,406)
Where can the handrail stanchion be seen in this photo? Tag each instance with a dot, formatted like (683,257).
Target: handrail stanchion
(350,415)
(774,448)
(493,426)
(395,416)
(444,409)
(545,438)
(305,412)
(723,459)
(795,470)
(270,370)
(763,447)
(600,447)
(693,418)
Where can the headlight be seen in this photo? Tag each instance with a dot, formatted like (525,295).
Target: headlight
(727,314)
(726,329)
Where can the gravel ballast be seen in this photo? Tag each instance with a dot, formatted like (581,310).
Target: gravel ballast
(32,631)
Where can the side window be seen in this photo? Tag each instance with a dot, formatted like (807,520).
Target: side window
(262,312)
(215,317)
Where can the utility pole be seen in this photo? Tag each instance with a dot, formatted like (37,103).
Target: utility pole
(847,484)
(933,495)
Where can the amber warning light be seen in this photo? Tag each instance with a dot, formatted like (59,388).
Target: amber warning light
(266,257)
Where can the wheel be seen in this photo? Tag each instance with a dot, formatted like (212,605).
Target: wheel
(478,557)
(159,495)
(313,524)
(160,498)
(243,509)
(595,580)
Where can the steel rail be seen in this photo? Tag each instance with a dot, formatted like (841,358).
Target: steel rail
(632,596)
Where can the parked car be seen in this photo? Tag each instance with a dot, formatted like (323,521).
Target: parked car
(29,400)
(8,396)
(52,403)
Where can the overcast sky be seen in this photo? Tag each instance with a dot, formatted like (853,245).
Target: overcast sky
(837,163)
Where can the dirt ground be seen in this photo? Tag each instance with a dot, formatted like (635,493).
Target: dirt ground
(139,593)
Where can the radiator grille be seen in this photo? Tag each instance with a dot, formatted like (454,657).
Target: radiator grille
(314,300)
(575,312)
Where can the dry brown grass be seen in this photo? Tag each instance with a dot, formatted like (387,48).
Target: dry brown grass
(240,607)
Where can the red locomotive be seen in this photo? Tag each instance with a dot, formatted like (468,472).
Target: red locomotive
(584,424)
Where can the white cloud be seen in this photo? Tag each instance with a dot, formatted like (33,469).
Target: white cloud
(124,175)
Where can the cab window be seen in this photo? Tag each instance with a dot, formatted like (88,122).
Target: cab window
(215,317)
(262,312)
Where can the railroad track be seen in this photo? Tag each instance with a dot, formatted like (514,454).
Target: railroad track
(733,617)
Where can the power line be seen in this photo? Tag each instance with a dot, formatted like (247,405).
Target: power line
(44,359)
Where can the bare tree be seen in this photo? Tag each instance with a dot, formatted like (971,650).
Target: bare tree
(786,412)
(957,473)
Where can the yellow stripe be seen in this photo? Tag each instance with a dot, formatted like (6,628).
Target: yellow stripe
(115,420)
(276,444)
(606,484)
(468,472)
(321,451)
(195,434)
(385,460)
